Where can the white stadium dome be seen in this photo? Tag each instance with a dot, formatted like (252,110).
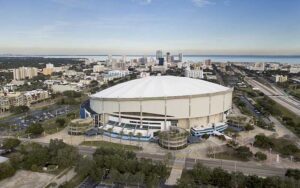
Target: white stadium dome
(160,86)
(151,104)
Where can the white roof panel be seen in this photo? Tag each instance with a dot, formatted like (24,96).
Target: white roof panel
(160,86)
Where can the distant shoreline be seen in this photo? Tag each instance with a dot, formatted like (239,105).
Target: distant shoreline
(290,59)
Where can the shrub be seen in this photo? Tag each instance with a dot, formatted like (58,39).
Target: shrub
(6,170)
(263,141)
(260,156)
(205,136)
(11,143)
(293,173)
(249,127)
(35,129)
(60,122)
(243,152)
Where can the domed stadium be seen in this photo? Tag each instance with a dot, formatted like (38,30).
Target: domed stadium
(141,108)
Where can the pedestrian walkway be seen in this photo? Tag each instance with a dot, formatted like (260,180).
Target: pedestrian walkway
(178,166)
(63,177)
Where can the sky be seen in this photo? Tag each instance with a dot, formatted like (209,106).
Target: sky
(204,27)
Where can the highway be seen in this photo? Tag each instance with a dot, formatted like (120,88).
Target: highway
(277,95)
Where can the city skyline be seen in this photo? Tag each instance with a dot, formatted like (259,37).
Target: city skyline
(194,27)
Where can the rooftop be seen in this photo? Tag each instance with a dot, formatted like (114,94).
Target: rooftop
(160,86)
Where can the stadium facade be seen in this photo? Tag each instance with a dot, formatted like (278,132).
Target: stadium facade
(138,109)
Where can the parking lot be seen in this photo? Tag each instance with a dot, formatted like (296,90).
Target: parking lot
(36,116)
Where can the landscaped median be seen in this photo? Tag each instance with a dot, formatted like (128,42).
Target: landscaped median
(105,144)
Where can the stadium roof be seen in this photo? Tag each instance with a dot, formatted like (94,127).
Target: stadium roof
(160,86)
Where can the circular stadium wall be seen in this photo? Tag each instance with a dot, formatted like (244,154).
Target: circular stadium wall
(152,104)
(174,139)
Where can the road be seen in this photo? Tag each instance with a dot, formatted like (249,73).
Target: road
(248,168)
(277,95)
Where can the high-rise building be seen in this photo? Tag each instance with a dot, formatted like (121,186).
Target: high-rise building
(143,60)
(168,57)
(161,61)
(180,57)
(24,72)
(49,69)
(159,54)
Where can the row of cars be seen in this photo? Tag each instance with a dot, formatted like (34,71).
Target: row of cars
(37,116)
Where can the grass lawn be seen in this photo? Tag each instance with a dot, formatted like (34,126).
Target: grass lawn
(106,144)
(288,113)
(229,154)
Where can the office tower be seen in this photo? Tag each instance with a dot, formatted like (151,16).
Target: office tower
(180,57)
(161,61)
(143,60)
(159,54)
(168,57)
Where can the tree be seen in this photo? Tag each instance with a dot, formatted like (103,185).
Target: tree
(62,154)
(11,143)
(110,130)
(249,127)
(263,141)
(71,115)
(243,152)
(205,136)
(293,173)
(6,170)
(152,180)
(35,156)
(139,135)
(67,156)
(121,135)
(220,178)
(19,109)
(84,166)
(35,129)
(130,136)
(260,156)
(93,83)
(16,159)
(61,122)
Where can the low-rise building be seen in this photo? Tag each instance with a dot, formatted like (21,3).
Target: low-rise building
(8,99)
(279,78)
(196,73)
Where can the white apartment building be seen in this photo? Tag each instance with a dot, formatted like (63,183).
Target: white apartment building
(280,78)
(257,67)
(98,68)
(197,73)
(22,73)
(294,70)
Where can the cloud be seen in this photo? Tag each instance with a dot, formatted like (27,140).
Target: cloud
(203,3)
(143,2)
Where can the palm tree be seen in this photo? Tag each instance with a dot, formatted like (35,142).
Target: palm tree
(130,136)
(121,135)
(139,135)
(110,132)
(101,131)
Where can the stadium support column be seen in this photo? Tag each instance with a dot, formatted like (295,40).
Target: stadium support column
(165,122)
(209,109)
(103,112)
(141,113)
(190,111)
(119,109)
(223,108)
